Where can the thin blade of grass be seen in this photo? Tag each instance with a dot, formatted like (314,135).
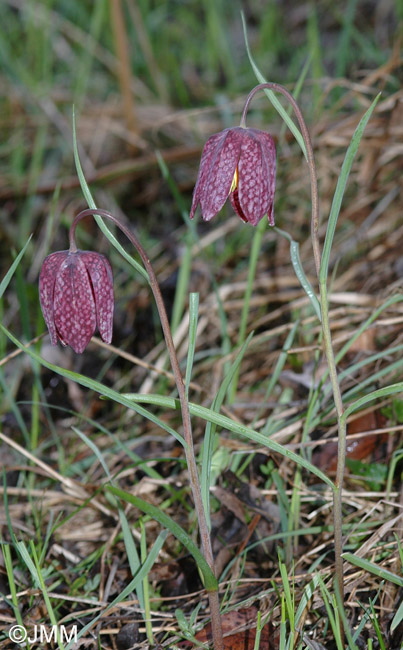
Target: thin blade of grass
(252,266)
(6,280)
(300,273)
(376,570)
(133,556)
(91,204)
(132,586)
(340,188)
(210,581)
(398,618)
(190,238)
(145,585)
(193,317)
(236,427)
(208,442)
(381,392)
(271,95)
(35,571)
(95,449)
(94,385)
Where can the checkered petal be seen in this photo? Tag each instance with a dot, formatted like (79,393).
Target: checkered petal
(100,273)
(256,171)
(76,294)
(47,280)
(74,304)
(268,160)
(217,168)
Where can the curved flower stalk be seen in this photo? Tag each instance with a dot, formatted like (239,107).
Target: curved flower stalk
(211,190)
(68,335)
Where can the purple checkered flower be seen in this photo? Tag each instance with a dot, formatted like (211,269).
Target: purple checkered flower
(239,163)
(76,294)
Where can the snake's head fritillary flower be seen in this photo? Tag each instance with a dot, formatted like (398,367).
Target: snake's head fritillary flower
(240,163)
(76,294)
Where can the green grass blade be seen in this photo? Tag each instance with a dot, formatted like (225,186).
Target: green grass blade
(95,449)
(208,442)
(132,556)
(210,581)
(300,273)
(146,590)
(252,266)
(388,303)
(340,188)
(379,571)
(132,586)
(190,238)
(105,391)
(381,392)
(236,427)
(193,316)
(6,280)
(398,618)
(91,203)
(271,95)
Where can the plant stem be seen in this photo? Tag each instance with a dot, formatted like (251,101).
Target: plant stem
(310,159)
(327,339)
(186,421)
(341,448)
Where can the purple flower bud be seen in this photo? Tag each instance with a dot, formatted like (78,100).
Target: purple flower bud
(76,294)
(239,163)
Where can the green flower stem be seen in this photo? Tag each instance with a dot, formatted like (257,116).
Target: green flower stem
(341,449)
(186,421)
(327,340)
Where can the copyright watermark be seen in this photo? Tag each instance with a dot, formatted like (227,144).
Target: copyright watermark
(42,634)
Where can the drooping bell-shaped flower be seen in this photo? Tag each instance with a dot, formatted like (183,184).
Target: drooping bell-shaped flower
(239,163)
(76,294)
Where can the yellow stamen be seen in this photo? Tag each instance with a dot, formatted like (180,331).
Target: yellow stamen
(234,183)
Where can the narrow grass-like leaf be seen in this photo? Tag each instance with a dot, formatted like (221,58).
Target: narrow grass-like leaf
(309,591)
(6,280)
(332,613)
(388,303)
(208,442)
(8,562)
(398,618)
(236,427)
(297,90)
(94,385)
(275,375)
(91,204)
(193,316)
(210,581)
(379,571)
(289,597)
(190,238)
(340,187)
(132,556)
(377,627)
(343,618)
(132,586)
(300,273)
(271,95)
(146,591)
(35,571)
(376,394)
(252,266)
(95,449)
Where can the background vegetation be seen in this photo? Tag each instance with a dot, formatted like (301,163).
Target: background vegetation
(150,81)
